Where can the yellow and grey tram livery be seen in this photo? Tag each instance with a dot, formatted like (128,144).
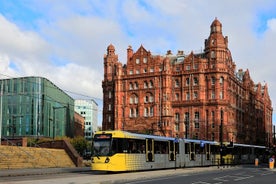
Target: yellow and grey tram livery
(125,151)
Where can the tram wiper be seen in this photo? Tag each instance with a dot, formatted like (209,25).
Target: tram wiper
(97,154)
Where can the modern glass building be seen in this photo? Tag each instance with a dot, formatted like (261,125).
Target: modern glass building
(89,110)
(34,106)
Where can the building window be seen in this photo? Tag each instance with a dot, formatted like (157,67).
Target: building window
(188,67)
(130,72)
(151,98)
(145,60)
(136,85)
(176,84)
(146,99)
(196,119)
(131,86)
(109,119)
(109,94)
(213,80)
(221,95)
(187,81)
(150,84)
(151,111)
(213,119)
(137,71)
(146,112)
(177,117)
(145,85)
(176,96)
(109,107)
(137,61)
(136,100)
(195,95)
(221,80)
(213,96)
(145,70)
(187,96)
(151,70)
(177,127)
(213,54)
(133,112)
(133,99)
(195,81)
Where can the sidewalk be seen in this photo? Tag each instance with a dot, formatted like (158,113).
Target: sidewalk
(41,171)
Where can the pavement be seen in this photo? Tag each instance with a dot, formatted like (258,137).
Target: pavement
(100,177)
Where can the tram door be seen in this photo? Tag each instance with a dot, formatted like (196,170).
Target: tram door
(149,150)
(171,151)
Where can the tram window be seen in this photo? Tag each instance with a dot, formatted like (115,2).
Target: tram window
(158,147)
(197,148)
(187,148)
(177,148)
(215,149)
(192,147)
(135,146)
(118,146)
(165,148)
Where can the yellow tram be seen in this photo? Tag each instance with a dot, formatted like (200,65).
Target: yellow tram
(125,151)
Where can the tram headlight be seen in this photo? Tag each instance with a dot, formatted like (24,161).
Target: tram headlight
(106,160)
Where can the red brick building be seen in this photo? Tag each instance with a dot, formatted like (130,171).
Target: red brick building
(78,125)
(186,95)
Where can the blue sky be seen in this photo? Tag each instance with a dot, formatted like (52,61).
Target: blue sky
(63,39)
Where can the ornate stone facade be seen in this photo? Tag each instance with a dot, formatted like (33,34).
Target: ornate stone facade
(195,95)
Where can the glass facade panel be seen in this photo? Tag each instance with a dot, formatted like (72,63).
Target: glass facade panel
(34,106)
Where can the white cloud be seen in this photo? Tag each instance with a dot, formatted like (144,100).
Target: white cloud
(77,33)
(271,24)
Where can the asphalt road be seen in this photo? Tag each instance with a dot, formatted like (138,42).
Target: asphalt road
(205,175)
(237,176)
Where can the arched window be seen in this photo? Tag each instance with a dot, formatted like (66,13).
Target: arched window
(130,86)
(145,85)
(195,81)
(213,80)
(176,83)
(213,54)
(221,80)
(133,99)
(136,85)
(150,84)
(146,112)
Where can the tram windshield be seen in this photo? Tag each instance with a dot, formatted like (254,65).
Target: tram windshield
(102,145)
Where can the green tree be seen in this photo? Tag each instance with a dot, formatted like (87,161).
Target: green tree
(80,144)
